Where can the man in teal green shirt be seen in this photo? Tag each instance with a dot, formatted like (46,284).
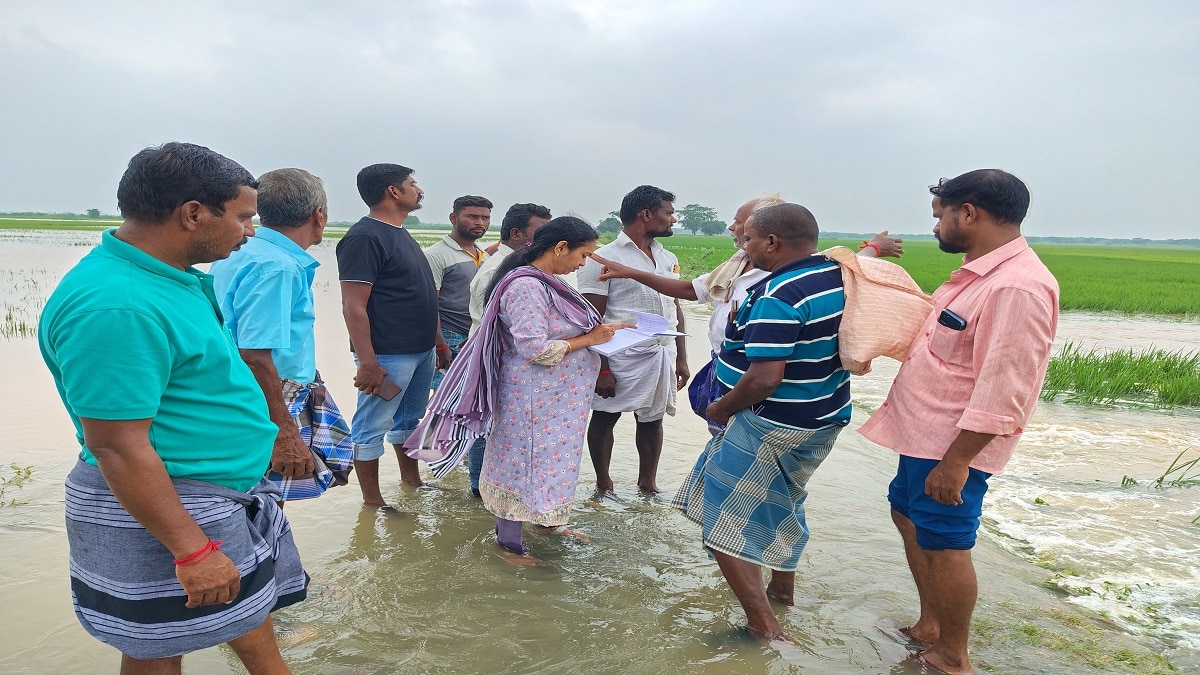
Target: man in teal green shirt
(167,502)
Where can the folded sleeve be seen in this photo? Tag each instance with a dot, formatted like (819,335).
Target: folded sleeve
(1012,348)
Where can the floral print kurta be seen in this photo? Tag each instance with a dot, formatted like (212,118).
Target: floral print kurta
(531,466)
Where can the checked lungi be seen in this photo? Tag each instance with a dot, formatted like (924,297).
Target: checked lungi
(454,341)
(326,433)
(747,489)
(123,582)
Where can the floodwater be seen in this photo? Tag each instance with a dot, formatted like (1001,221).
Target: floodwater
(1065,548)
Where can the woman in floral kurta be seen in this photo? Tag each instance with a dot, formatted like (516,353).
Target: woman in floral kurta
(531,465)
(542,386)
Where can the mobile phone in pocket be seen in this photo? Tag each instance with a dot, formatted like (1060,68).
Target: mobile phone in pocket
(951,320)
(388,390)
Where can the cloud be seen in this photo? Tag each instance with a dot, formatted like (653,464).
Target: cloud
(852,107)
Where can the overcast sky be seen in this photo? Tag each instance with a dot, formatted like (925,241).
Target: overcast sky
(850,108)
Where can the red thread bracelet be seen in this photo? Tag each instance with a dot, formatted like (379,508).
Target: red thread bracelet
(606,371)
(443,348)
(867,244)
(201,554)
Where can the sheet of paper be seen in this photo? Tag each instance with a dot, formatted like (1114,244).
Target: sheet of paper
(649,327)
(622,340)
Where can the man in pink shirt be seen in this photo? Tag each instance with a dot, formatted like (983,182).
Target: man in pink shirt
(963,396)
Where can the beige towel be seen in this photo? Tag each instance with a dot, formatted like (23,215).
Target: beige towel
(885,310)
(720,281)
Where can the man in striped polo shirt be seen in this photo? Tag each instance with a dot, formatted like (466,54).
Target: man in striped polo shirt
(784,400)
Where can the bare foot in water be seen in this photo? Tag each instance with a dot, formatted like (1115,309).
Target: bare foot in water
(396,514)
(920,634)
(520,559)
(770,640)
(782,597)
(563,531)
(937,662)
(782,588)
(604,493)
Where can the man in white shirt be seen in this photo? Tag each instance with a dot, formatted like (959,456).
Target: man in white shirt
(518,226)
(642,379)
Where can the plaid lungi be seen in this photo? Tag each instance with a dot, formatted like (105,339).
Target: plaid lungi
(747,489)
(454,341)
(123,582)
(326,433)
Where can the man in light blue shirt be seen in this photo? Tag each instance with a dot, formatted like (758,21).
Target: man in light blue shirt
(265,293)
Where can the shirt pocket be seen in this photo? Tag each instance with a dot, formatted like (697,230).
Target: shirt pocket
(952,347)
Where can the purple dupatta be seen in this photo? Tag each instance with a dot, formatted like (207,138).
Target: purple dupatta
(461,408)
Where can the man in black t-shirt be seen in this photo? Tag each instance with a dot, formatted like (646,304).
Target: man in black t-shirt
(391,311)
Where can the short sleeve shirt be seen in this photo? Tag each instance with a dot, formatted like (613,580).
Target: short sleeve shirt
(483,278)
(626,296)
(403,306)
(453,269)
(793,315)
(129,337)
(265,292)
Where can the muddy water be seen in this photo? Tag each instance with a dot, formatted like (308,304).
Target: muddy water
(427,591)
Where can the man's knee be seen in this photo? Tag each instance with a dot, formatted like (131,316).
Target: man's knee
(652,425)
(604,420)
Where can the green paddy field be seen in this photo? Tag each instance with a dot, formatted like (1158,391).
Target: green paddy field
(1132,279)
(1163,281)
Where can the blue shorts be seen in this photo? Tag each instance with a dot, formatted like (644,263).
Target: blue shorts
(377,421)
(939,526)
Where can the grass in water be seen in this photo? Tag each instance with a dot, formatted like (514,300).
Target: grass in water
(17,478)
(1023,628)
(1181,473)
(1155,377)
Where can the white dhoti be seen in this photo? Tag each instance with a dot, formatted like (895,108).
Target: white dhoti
(645,382)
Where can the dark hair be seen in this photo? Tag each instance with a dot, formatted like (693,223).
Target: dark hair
(517,218)
(792,223)
(374,180)
(643,198)
(160,180)
(575,231)
(471,200)
(288,197)
(998,192)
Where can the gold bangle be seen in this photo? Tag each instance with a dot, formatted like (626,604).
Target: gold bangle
(568,347)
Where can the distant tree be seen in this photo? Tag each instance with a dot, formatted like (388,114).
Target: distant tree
(93,213)
(697,218)
(412,221)
(610,225)
(714,227)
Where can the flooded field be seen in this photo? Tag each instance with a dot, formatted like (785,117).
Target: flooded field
(1079,568)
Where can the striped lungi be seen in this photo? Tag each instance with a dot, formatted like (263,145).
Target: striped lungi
(326,433)
(747,489)
(123,582)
